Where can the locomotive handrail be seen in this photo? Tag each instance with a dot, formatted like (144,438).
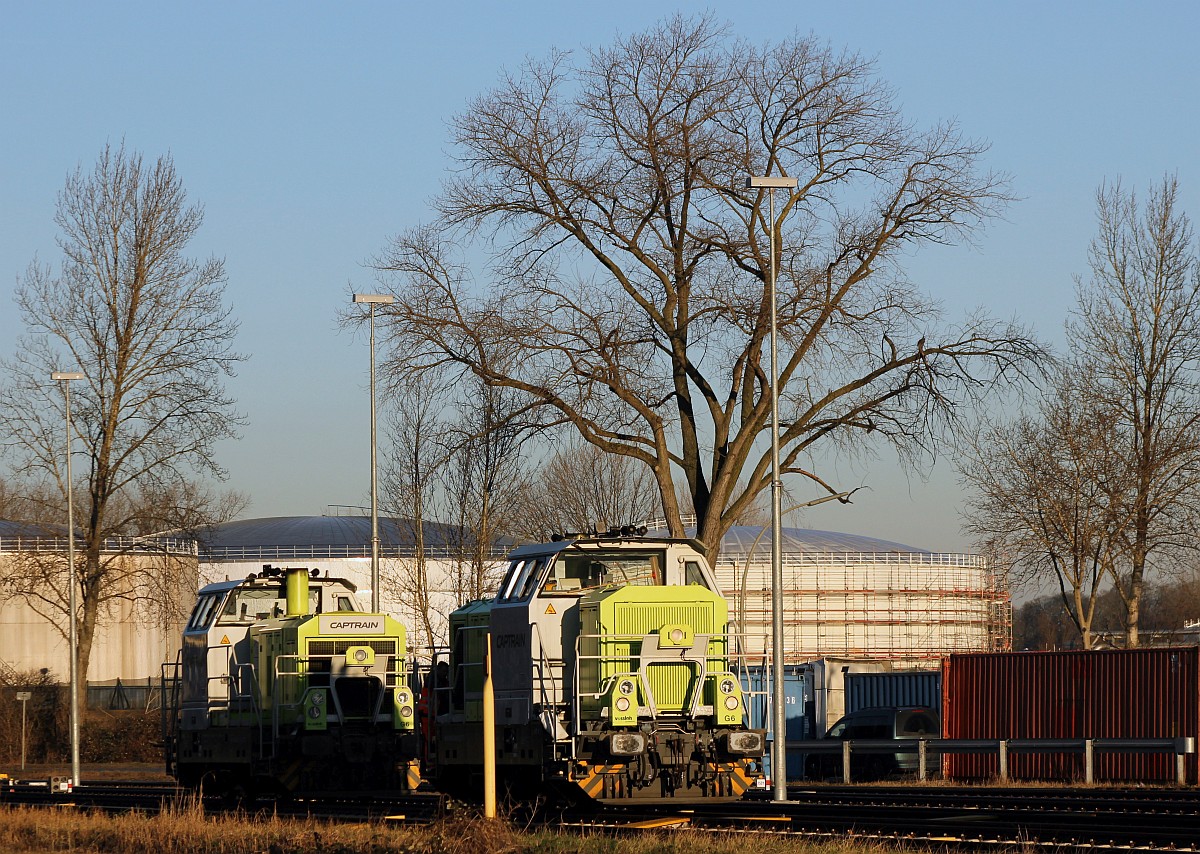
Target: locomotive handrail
(464,667)
(170,708)
(246,701)
(699,668)
(542,664)
(233,668)
(397,672)
(427,676)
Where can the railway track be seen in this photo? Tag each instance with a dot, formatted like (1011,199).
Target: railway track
(116,796)
(1144,820)
(963,818)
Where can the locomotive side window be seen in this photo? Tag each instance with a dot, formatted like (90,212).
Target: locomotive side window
(692,574)
(531,576)
(246,605)
(204,611)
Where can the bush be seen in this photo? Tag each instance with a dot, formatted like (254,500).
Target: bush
(106,737)
(46,717)
(121,736)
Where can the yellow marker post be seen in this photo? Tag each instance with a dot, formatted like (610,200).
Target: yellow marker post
(489,733)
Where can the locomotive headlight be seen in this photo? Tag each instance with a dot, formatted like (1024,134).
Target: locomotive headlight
(623,709)
(677,635)
(360,656)
(727,704)
(315,710)
(627,743)
(746,743)
(403,709)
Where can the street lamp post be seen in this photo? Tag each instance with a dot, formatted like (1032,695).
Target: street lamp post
(778,720)
(373,300)
(65,377)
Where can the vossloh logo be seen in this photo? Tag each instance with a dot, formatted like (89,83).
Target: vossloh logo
(350,624)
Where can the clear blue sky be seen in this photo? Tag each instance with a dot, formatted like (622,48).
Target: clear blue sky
(313,132)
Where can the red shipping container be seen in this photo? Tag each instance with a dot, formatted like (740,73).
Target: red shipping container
(1138,693)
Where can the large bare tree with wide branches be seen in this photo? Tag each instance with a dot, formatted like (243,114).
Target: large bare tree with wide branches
(148,328)
(628,260)
(1045,496)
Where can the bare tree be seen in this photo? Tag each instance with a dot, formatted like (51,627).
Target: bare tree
(415,461)
(1044,497)
(1137,330)
(581,488)
(148,328)
(21,502)
(484,479)
(629,260)
(1175,604)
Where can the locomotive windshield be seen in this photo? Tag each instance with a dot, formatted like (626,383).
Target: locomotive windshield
(577,571)
(247,604)
(203,613)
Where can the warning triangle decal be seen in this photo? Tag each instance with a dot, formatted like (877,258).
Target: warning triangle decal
(225,639)
(550,609)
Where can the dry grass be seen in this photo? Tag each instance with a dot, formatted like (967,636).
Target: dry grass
(186,830)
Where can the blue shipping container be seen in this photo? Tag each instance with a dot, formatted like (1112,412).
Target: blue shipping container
(898,688)
(798,710)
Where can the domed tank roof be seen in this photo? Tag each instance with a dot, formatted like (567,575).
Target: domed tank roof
(311,536)
(9,528)
(743,539)
(351,535)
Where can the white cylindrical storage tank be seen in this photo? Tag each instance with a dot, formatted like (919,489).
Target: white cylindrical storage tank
(151,588)
(850,596)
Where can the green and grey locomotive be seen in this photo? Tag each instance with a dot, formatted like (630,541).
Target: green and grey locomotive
(611,673)
(284,685)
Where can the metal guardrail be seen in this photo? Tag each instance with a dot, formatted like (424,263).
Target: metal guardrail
(925,748)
